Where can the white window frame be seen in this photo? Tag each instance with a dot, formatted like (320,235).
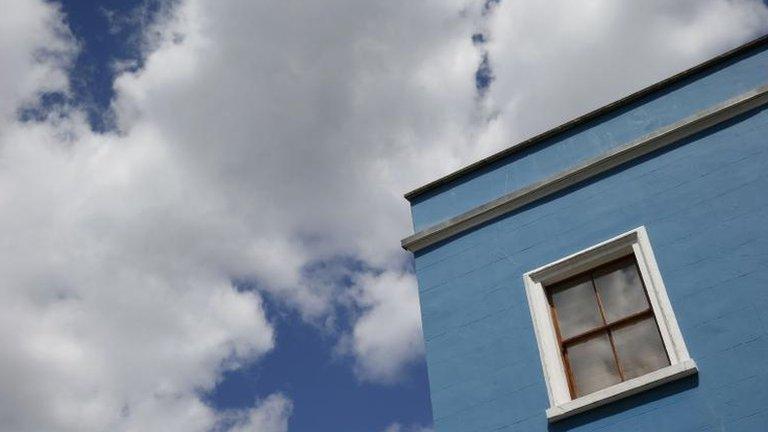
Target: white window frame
(635,243)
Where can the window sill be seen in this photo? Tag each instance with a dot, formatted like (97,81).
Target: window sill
(621,390)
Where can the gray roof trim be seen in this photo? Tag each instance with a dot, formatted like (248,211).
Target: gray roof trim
(722,58)
(610,159)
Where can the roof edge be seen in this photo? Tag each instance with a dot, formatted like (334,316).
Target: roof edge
(721,58)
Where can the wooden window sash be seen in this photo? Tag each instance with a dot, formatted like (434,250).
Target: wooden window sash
(606,328)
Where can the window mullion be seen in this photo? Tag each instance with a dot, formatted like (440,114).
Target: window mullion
(608,329)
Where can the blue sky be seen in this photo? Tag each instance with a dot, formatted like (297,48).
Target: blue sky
(326,394)
(201,203)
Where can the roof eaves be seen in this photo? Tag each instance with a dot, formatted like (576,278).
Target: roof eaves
(587,117)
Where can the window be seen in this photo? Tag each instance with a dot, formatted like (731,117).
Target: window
(604,325)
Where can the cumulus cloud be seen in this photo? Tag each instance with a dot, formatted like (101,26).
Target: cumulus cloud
(259,140)
(387,336)
(558,59)
(36,47)
(114,316)
(270,415)
(312,141)
(238,158)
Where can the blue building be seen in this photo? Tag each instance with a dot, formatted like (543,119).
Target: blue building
(610,274)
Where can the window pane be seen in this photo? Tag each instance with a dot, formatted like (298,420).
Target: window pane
(592,364)
(576,307)
(620,290)
(640,348)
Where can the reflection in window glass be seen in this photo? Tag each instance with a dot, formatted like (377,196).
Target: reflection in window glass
(620,290)
(608,332)
(593,365)
(576,307)
(640,348)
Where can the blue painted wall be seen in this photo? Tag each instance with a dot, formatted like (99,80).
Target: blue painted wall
(557,153)
(704,202)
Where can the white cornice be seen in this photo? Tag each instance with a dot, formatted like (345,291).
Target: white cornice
(578,173)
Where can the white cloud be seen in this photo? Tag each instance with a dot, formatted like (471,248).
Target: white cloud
(577,56)
(327,117)
(259,139)
(270,415)
(397,427)
(115,313)
(35,46)
(388,334)
(114,317)
(237,160)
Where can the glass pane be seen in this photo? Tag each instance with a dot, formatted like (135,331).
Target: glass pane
(640,348)
(592,364)
(620,290)
(576,307)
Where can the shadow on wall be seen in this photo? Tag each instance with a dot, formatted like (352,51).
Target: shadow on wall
(620,406)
